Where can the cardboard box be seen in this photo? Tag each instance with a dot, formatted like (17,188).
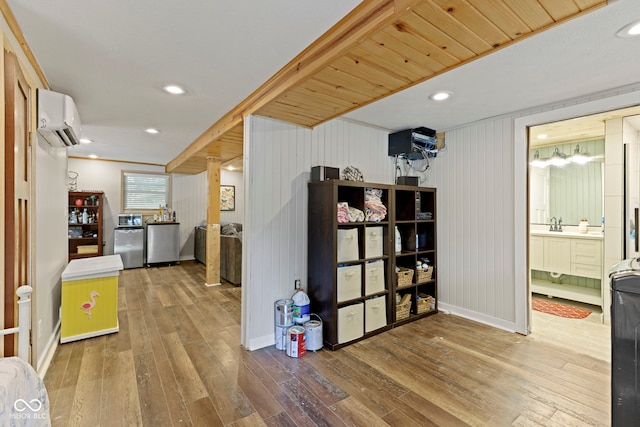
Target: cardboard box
(88,249)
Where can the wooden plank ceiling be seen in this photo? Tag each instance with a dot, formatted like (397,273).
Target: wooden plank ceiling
(380,48)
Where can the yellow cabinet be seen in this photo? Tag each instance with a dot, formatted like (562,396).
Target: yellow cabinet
(90,298)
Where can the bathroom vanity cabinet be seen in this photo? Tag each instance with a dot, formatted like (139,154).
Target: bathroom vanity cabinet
(567,253)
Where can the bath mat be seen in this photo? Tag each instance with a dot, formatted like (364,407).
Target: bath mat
(558,309)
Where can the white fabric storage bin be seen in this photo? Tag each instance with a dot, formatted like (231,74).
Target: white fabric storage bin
(374,277)
(350,322)
(347,244)
(373,242)
(349,282)
(375,313)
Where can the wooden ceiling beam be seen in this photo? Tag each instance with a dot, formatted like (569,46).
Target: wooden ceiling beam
(382,47)
(358,25)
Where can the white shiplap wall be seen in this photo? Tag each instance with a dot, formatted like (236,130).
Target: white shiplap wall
(190,202)
(276,177)
(474,178)
(482,207)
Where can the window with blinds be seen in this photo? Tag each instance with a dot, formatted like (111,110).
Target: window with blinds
(143,191)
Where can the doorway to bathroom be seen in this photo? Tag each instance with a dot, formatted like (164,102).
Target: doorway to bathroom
(575,165)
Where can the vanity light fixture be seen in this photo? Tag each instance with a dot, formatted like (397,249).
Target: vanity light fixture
(174,90)
(558,159)
(230,167)
(542,136)
(537,161)
(441,96)
(86,140)
(152,131)
(580,158)
(630,30)
(93,156)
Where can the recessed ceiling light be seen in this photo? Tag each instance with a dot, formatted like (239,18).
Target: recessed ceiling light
(542,136)
(93,156)
(86,140)
(441,96)
(174,90)
(630,30)
(152,130)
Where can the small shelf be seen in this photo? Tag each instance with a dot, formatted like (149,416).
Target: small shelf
(82,234)
(591,296)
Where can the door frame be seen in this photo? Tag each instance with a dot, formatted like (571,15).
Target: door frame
(17,236)
(521,186)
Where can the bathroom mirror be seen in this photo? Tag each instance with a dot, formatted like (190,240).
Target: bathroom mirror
(571,192)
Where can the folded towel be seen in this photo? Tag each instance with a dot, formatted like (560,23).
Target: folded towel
(355,215)
(343,212)
(376,211)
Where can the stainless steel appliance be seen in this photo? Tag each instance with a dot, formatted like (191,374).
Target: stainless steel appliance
(163,242)
(625,342)
(128,242)
(129,220)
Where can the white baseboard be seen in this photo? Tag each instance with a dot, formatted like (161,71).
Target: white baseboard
(212,284)
(261,342)
(50,350)
(478,317)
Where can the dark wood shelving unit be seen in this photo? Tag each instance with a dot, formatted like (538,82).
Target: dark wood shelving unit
(415,217)
(85,238)
(327,270)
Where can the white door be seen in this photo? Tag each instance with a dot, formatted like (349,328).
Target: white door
(539,195)
(631,141)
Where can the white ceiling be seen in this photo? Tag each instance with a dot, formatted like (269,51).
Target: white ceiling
(114,57)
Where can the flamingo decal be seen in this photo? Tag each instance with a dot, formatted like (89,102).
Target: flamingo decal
(87,306)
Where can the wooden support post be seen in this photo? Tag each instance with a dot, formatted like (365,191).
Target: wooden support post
(213,223)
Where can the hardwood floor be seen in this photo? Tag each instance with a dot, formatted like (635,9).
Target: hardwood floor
(177,361)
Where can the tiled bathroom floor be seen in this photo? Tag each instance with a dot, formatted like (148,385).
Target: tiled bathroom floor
(588,336)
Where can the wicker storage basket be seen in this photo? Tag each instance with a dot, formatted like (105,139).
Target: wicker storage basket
(403,308)
(424,303)
(405,275)
(424,276)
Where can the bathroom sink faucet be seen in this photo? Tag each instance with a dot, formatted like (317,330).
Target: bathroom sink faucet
(554,224)
(559,228)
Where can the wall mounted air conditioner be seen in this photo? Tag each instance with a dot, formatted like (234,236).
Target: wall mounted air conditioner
(58,120)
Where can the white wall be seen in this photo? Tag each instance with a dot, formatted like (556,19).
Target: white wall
(189,196)
(630,138)
(97,175)
(189,199)
(474,177)
(275,184)
(51,244)
(482,207)
(235,179)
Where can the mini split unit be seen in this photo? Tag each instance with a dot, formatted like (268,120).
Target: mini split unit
(58,120)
